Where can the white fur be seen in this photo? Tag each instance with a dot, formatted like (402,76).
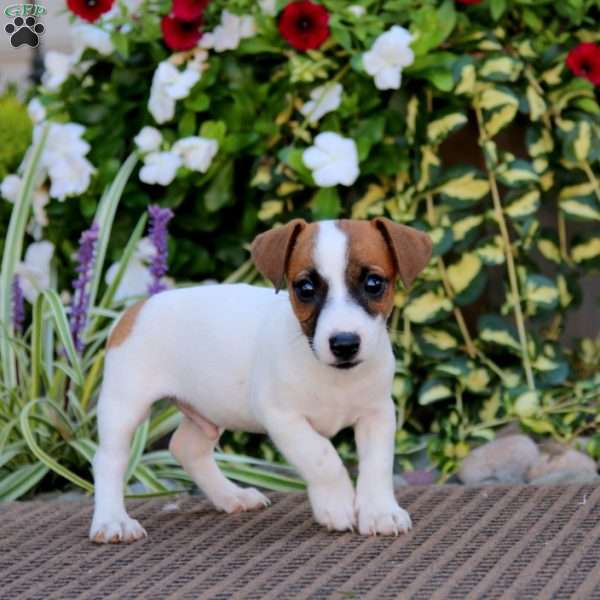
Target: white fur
(237,356)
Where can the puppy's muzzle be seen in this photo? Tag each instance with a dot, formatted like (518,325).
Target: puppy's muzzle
(344,346)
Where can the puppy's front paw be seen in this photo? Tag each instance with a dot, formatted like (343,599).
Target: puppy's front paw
(241,500)
(382,517)
(333,506)
(114,531)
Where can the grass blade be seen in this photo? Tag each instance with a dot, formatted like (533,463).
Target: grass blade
(64,333)
(13,249)
(22,480)
(137,448)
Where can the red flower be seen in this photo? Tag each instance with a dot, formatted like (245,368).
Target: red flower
(90,10)
(188,10)
(584,61)
(179,34)
(304,25)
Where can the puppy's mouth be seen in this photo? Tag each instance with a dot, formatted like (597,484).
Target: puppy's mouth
(346,365)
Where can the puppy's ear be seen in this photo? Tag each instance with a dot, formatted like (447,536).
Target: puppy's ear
(271,250)
(410,248)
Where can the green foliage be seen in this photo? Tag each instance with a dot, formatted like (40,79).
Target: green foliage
(15,133)
(490,144)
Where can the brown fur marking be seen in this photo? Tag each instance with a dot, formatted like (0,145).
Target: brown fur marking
(301,263)
(368,252)
(125,325)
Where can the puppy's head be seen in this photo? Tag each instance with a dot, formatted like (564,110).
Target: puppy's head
(341,277)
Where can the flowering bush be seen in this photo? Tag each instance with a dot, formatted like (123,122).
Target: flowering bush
(476,120)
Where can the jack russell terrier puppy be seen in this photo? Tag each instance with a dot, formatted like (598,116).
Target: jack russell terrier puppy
(299,366)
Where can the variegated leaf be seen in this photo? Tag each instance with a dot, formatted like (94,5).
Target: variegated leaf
(522,204)
(428,307)
(494,330)
(586,252)
(434,390)
(501,68)
(439,129)
(465,189)
(517,173)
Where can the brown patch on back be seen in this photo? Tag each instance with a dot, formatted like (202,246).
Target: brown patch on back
(125,325)
(368,252)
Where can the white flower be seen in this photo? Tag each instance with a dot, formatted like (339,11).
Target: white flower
(229,33)
(64,159)
(69,176)
(168,85)
(148,139)
(36,110)
(10,188)
(198,62)
(388,55)
(333,159)
(196,152)
(269,7)
(34,271)
(85,36)
(160,167)
(357,10)
(324,99)
(57,68)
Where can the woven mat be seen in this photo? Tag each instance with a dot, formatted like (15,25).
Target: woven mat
(491,542)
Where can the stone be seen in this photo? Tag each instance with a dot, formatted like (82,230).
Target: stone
(556,458)
(503,460)
(566,477)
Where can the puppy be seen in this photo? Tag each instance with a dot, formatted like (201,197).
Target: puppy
(299,366)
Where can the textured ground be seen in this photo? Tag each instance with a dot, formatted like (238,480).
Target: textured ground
(468,542)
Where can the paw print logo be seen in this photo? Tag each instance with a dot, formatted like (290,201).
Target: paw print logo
(24,31)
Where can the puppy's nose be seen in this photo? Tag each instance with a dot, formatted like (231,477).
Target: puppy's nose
(344,345)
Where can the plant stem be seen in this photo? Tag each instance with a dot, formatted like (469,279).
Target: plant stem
(460,320)
(510,261)
(585,165)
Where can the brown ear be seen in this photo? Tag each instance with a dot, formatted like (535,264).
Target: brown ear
(410,248)
(271,250)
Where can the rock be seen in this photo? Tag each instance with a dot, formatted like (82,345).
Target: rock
(566,477)
(503,460)
(421,477)
(556,458)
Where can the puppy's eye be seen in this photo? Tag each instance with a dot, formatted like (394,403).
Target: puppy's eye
(374,285)
(305,290)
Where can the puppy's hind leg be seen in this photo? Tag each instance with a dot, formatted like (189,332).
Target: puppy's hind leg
(121,408)
(193,447)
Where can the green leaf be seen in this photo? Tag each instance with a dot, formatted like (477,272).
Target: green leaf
(434,390)
(440,128)
(64,333)
(326,204)
(467,278)
(540,293)
(494,330)
(13,249)
(215,130)
(497,8)
(20,481)
(526,404)
(517,173)
(220,190)
(581,209)
(436,343)
(523,204)
(137,448)
(586,251)
(465,188)
(428,307)
(501,67)
(465,227)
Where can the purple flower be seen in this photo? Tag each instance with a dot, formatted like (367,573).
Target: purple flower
(18,305)
(81,297)
(159,217)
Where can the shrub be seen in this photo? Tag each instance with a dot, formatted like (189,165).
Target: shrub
(471,126)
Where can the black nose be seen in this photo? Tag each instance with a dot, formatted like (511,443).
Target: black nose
(344,345)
